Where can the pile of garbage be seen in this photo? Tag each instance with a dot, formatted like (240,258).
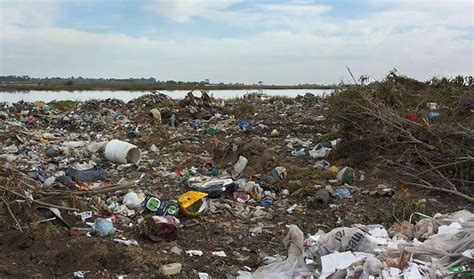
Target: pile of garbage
(55,158)
(219,180)
(435,247)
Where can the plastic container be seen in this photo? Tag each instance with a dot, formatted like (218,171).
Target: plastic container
(240,165)
(121,152)
(192,203)
(321,198)
(160,207)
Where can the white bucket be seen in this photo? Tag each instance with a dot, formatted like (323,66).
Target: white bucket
(121,152)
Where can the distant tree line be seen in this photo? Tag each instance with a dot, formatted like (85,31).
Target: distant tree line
(81,80)
(12,79)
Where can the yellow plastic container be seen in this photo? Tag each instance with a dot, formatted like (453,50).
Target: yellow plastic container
(192,203)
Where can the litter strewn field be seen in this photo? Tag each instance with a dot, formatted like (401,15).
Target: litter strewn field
(374,180)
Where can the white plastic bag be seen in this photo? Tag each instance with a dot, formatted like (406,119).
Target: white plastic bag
(346,239)
(293,267)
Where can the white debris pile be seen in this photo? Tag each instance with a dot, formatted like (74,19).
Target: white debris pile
(437,247)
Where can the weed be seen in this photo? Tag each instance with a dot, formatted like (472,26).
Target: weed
(63,105)
(51,229)
(401,208)
(241,109)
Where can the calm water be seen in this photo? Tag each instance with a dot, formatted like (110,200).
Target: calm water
(47,96)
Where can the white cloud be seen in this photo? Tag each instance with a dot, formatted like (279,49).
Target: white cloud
(303,9)
(291,46)
(184,10)
(29,13)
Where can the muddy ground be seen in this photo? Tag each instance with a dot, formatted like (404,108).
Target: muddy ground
(49,250)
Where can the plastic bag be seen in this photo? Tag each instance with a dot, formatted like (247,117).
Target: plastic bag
(103,227)
(293,267)
(346,239)
(290,268)
(91,175)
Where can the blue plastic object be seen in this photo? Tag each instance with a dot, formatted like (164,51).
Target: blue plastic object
(244,124)
(104,227)
(433,114)
(266,202)
(343,193)
(214,171)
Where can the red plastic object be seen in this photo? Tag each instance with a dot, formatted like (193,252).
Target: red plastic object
(412,117)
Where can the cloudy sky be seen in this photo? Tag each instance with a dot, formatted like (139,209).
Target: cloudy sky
(280,42)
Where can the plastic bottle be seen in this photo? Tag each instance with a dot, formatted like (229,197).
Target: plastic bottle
(173,121)
(240,165)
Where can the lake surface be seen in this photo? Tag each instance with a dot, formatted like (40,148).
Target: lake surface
(47,96)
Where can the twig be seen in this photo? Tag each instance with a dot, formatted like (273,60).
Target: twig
(463,181)
(93,192)
(389,120)
(436,170)
(427,185)
(446,165)
(431,187)
(104,190)
(43,221)
(39,202)
(13,216)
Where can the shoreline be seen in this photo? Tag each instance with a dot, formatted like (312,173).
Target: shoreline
(149,87)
